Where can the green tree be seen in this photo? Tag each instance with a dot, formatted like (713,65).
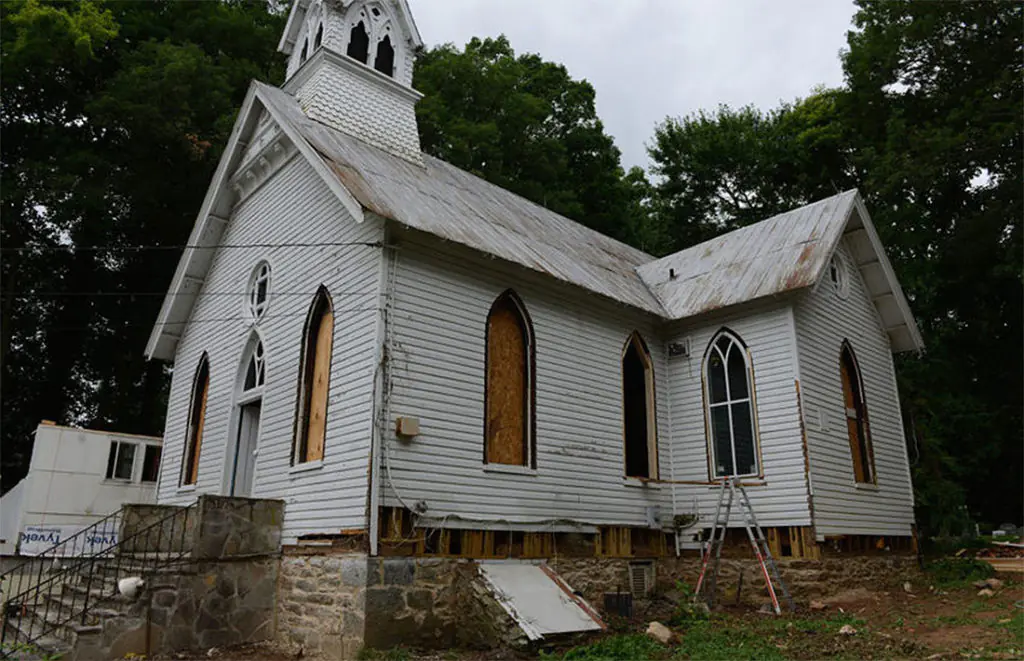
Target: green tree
(113,118)
(524,124)
(929,128)
(725,169)
(934,112)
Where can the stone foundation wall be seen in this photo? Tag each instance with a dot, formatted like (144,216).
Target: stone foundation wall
(335,604)
(805,579)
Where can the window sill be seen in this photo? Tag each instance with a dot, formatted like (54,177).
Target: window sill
(306,467)
(637,483)
(866,486)
(510,469)
(120,481)
(188,488)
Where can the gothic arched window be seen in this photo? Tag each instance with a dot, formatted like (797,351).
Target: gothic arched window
(509,384)
(196,421)
(359,43)
(729,403)
(305,51)
(311,421)
(319,40)
(385,60)
(638,420)
(856,417)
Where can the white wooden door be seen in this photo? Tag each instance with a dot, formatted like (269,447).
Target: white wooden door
(245,451)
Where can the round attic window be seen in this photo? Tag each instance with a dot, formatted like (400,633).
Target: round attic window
(838,278)
(258,298)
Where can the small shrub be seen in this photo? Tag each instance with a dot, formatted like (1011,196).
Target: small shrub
(956,571)
(618,648)
(689,609)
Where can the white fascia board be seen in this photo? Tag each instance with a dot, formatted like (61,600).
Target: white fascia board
(218,185)
(890,275)
(291,28)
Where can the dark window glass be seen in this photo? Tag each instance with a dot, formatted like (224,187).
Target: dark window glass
(716,377)
(743,439)
(111,459)
(359,43)
(634,391)
(385,60)
(151,463)
(305,51)
(737,374)
(721,435)
(319,37)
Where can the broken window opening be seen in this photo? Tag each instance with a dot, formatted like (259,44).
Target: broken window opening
(856,417)
(509,384)
(385,60)
(311,424)
(196,420)
(151,463)
(639,429)
(359,43)
(319,40)
(305,51)
(729,407)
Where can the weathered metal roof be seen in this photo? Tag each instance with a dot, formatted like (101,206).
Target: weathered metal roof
(445,201)
(773,256)
(784,253)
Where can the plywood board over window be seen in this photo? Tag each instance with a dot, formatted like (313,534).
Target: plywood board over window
(508,423)
(856,417)
(315,384)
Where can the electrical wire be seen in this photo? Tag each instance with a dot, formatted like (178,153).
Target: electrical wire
(203,321)
(70,294)
(192,246)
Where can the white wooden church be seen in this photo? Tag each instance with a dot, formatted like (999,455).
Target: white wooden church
(359,328)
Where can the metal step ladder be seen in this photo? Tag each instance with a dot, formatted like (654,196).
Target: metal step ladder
(707,584)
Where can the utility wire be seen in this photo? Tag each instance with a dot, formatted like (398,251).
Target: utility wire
(263,321)
(61,294)
(218,246)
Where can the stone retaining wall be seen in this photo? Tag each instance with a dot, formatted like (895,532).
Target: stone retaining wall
(805,579)
(337,603)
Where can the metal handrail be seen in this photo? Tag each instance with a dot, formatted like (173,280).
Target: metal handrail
(170,532)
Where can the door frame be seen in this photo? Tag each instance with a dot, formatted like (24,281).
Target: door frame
(249,398)
(240,398)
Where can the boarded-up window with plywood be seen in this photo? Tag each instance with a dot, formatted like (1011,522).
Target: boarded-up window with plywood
(196,420)
(311,424)
(638,421)
(856,417)
(508,398)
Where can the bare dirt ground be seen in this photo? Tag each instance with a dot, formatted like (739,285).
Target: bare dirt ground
(888,622)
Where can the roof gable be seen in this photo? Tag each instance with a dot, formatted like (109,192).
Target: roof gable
(784,253)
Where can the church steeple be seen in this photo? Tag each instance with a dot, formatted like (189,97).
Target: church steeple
(350,67)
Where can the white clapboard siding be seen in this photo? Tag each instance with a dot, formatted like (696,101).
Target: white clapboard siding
(824,320)
(294,206)
(443,293)
(767,330)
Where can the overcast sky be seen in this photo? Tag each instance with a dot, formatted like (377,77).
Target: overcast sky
(649,59)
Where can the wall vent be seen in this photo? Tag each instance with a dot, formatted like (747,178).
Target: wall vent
(641,579)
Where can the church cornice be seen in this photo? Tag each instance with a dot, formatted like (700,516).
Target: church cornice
(328,56)
(261,165)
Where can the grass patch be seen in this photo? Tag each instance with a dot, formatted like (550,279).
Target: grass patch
(615,648)
(715,639)
(393,654)
(958,572)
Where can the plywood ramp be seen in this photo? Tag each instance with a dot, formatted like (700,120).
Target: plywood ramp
(537,599)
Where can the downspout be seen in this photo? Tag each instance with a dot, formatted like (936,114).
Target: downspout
(671,445)
(381,382)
